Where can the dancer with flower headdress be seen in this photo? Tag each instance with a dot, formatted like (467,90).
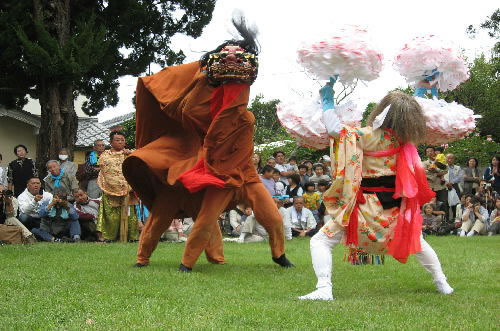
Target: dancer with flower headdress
(378,182)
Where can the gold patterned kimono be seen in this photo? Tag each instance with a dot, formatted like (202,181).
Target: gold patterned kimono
(117,195)
(350,165)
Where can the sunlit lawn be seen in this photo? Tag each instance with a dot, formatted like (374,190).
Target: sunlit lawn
(87,285)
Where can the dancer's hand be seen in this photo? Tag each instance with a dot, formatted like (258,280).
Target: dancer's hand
(326,93)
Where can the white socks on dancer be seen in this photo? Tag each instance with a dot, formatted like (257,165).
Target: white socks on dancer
(321,254)
(429,260)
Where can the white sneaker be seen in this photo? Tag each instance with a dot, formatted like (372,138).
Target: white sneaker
(230,239)
(443,287)
(471,233)
(462,233)
(320,294)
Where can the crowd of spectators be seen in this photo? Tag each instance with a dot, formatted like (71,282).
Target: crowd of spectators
(467,199)
(76,202)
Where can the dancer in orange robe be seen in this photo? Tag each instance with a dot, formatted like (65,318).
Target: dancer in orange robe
(195,147)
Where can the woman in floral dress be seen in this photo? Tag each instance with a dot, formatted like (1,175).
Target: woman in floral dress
(118,200)
(376,175)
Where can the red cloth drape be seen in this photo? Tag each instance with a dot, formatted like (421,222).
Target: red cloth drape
(199,177)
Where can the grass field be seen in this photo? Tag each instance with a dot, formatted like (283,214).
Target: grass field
(75,286)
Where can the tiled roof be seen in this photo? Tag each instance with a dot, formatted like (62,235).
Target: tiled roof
(117,120)
(21,115)
(89,130)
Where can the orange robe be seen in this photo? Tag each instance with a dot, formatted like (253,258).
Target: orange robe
(176,130)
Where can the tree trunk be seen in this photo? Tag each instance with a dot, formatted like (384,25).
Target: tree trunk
(59,122)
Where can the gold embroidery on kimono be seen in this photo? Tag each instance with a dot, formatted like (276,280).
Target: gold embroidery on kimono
(349,167)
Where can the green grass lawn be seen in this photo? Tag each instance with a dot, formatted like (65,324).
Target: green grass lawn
(87,285)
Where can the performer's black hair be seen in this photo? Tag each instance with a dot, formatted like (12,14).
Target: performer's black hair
(249,41)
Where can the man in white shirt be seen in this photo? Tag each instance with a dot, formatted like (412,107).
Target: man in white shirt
(30,201)
(284,169)
(287,227)
(301,219)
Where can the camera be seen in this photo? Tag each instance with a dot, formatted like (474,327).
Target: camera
(7,193)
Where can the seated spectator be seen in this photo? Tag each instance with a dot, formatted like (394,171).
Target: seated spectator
(175,232)
(187,225)
(287,227)
(30,201)
(303,175)
(59,219)
(251,230)
(301,219)
(267,179)
(88,211)
(430,222)
(3,174)
(312,200)
(484,193)
(69,167)
(474,219)
(59,179)
(309,172)
(8,210)
(293,189)
(271,161)
(494,227)
(235,219)
(319,174)
(464,200)
(292,164)
(279,185)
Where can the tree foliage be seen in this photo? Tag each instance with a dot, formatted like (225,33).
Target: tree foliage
(56,50)
(481,93)
(267,125)
(482,148)
(104,41)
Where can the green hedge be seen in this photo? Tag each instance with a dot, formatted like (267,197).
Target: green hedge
(476,146)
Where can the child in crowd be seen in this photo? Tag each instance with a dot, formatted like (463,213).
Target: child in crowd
(292,163)
(279,186)
(271,161)
(267,179)
(312,200)
(293,189)
(303,175)
(323,185)
(440,157)
(309,173)
(319,174)
(430,222)
(494,227)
